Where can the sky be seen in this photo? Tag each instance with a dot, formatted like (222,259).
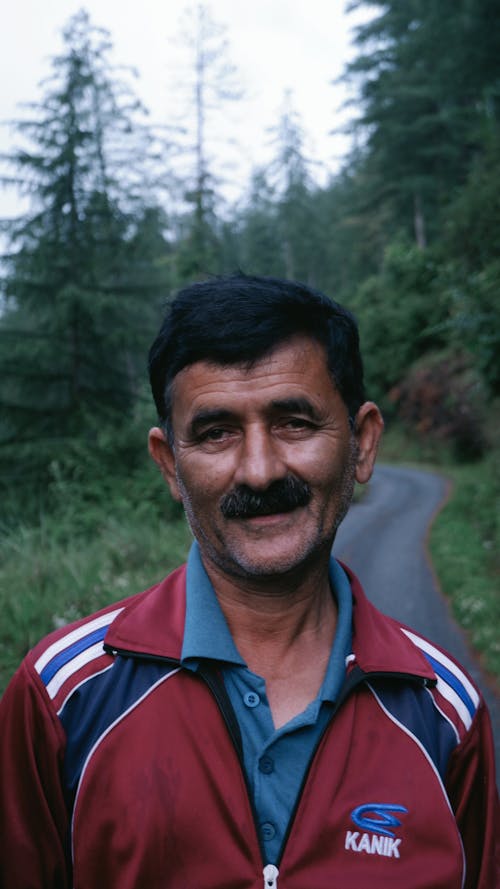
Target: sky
(299,46)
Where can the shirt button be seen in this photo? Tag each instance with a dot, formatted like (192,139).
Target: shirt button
(268,831)
(251,699)
(266,765)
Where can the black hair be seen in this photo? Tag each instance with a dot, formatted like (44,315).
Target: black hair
(238,319)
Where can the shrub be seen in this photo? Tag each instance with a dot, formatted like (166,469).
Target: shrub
(442,396)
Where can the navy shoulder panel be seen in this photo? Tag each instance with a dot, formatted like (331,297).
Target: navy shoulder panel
(99,702)
(412,707)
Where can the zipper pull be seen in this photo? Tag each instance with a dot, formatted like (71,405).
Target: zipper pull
(271,876)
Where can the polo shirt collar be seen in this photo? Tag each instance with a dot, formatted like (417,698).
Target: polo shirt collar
(206,632)
(342,642)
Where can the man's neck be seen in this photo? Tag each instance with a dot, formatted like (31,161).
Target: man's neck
(284,631)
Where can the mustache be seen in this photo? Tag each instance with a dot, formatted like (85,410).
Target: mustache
(283,495)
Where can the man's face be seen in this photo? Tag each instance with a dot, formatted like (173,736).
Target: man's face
(263,459)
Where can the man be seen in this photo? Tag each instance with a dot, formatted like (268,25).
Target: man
(252,721)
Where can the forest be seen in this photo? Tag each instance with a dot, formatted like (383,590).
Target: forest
(120,213)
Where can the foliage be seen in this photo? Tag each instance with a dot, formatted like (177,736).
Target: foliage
(209,84)
(257,245)
(296,217)
(471,250)
(75,322)
(104,538)
(443,398)
(279,226)
(465,543)
(427,78)
(398,311)
(351,241)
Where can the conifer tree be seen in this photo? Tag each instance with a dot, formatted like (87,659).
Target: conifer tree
(78,310)
(290,172)
(209,84)
(427,77)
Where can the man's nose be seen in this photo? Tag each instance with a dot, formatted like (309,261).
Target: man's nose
(260,462)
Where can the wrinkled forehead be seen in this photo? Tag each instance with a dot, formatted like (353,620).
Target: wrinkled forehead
(295,370)
(295,353)
(287,349)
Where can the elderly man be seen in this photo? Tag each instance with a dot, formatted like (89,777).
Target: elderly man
(252,721)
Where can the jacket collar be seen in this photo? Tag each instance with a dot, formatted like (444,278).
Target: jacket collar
(379,643)
(152,624)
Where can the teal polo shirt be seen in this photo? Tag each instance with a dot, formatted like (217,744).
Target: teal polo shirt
(275,760)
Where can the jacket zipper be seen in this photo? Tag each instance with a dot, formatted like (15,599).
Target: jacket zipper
(218,690)
(355,677)
(271,874)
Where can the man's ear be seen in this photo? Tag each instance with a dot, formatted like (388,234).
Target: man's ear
(163,455)
(368,428)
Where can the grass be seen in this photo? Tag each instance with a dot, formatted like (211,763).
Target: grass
(464,539)
(464,546)
(88,552)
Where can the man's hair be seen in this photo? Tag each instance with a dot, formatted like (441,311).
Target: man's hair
(239,319)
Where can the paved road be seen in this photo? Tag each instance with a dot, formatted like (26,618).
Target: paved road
(383,539)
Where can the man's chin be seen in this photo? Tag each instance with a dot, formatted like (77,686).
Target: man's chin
(272,562)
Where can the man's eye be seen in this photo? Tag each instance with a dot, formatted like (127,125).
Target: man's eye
(215,434)
(297,423)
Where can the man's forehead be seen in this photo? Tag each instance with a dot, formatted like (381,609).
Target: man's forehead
(295,370)
(285,351)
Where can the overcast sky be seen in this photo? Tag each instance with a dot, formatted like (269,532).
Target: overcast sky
(277,45)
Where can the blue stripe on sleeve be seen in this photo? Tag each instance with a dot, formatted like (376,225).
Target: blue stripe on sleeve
(453,681)
(63,657)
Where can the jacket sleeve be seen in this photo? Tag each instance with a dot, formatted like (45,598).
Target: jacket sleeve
(472,791)
(33,812)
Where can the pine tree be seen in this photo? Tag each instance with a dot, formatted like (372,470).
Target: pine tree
(209,85)
(290,174)
(77,312)
(427,75)
(257,245)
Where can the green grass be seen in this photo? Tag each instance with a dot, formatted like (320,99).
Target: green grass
(464,546)
(89,552)
(464,539)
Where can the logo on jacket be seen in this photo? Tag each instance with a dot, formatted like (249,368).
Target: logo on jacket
(375,835)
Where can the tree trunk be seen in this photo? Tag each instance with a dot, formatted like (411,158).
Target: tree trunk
(419,222)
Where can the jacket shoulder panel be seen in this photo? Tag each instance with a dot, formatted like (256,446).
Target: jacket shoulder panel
(412,707)
(100,702)
(75,649)
(454,694)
